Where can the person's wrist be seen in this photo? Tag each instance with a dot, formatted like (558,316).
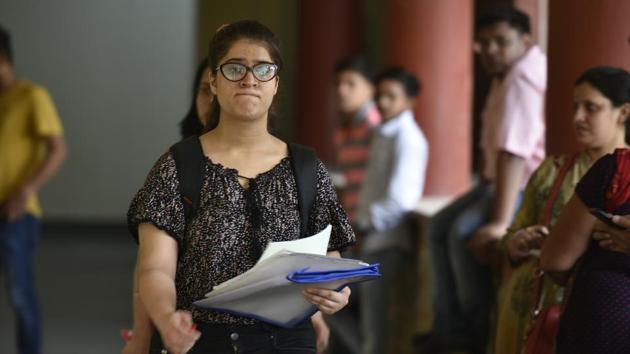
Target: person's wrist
(162,320)
(139,342)
(496,229)
(499,224)
(143,331)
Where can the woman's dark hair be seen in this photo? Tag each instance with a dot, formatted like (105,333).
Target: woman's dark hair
(191,125)
(613,83)
(409,82)
(5,44)
(356,63)
(514,17)
(221,43)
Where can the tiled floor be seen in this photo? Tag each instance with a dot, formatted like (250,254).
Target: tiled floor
(84,280)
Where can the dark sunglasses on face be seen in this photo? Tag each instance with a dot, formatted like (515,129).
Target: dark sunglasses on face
(236,71)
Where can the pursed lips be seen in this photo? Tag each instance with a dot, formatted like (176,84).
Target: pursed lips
(247,94)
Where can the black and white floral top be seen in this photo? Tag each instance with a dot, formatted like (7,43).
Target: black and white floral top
(233,225)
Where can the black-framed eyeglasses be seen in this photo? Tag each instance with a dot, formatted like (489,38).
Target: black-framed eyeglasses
(237,71)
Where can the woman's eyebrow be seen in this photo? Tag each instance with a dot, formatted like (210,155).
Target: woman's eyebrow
(236,59)
(242,60)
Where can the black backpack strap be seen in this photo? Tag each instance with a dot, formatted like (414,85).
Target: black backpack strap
(189,160)
(304,163)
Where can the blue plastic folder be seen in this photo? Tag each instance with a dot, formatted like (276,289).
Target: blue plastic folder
(271,291)
(305,276)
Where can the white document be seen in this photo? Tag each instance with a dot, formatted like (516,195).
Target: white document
(265,293)
(316,244)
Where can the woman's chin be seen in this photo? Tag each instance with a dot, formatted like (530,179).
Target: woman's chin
(586,143)
(249,116)
(584,138)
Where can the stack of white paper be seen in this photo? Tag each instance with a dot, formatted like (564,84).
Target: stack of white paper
(264,292)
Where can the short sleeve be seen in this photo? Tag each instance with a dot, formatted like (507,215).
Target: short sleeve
(327,210)
(522,126)
(158,201)
(46,121)
(592,187)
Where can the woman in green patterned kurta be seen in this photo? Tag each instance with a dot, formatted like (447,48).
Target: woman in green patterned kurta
(515,298)
(596,130)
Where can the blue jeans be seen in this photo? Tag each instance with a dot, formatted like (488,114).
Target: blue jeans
(463,293)
(17,247)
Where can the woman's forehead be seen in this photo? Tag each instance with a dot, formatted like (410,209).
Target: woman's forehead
(587,91)
(246,50)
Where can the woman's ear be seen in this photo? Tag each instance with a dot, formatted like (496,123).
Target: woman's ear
(624,112)
(277,84)
(213,84)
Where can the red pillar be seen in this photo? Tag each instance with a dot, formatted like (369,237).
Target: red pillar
(329,32)
(582,34)
(433,39)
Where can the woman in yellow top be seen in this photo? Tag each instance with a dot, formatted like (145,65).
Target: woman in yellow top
(600,127)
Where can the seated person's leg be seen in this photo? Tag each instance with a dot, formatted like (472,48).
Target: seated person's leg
(473,280)
(447,317)
(375,299)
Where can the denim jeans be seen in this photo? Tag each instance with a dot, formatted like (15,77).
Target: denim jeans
(462,289)
(249,339)
(376,299)
(463,293)
(17,246)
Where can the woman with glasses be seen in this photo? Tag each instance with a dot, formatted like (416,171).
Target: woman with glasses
(248,198)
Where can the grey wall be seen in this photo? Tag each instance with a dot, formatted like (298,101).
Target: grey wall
(120,73)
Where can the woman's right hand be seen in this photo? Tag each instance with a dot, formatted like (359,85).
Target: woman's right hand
(525,240)
(178,331)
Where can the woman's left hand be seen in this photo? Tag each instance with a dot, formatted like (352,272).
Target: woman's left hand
(327,301)
(612,238)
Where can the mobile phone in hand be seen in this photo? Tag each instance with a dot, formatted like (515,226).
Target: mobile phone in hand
(605,217)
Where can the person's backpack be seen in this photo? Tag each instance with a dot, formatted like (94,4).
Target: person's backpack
(190,160)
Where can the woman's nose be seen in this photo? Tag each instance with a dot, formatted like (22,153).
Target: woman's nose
(578,114)
(249,79)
